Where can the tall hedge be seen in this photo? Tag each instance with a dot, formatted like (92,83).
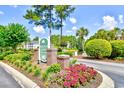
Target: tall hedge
(98,48)
(117,48)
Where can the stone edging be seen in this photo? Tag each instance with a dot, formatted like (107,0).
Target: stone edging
(19,77)
(107,82)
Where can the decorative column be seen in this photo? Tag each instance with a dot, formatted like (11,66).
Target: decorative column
(51,56)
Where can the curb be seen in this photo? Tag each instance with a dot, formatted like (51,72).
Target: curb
(19,77)
(107,82)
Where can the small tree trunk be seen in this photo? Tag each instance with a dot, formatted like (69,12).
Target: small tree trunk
(50,27)
(61,32)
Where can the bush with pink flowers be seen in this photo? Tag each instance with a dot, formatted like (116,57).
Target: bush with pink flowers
(77,75)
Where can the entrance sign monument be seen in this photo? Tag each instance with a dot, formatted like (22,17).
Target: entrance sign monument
(43,46)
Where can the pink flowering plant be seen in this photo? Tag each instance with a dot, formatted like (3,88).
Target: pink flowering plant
(74,76)
(77,75)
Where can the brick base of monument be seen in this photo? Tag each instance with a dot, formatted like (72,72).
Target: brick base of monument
(63,60)
(51,56)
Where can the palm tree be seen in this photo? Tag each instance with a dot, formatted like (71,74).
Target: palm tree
(81,33)
(62,12)
(122,34)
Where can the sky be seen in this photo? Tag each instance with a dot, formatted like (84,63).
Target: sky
(92,17)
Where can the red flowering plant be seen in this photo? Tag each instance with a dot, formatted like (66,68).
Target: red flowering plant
(77,75)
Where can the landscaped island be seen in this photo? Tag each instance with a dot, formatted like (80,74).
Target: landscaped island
(76,75)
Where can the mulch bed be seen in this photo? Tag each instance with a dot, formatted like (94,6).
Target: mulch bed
(104,59)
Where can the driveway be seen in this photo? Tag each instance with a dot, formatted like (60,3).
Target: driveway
(6,80)
(113,70)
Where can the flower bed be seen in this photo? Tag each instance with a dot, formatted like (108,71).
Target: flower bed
(75,76)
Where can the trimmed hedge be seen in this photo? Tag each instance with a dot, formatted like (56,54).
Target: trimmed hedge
(66,53)
(98,48)
(117,48)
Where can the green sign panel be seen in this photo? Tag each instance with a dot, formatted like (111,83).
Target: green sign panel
(43,49)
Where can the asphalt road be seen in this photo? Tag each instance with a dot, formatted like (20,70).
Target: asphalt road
(7,81)
(113,70)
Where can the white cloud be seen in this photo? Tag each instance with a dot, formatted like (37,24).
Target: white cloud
(109,23)
(74,28)
(1,13)
(121,19)
(73,20)
(39,29)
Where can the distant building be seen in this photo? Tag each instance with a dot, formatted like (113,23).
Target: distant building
(31,45)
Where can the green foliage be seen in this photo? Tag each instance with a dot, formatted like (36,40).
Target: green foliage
(72,62)
(119,58)
(37,71)
(81,33)
(18,63)
(98,48)
(59,49)
(13,34)
(26,56)
(54,68)
(55,39)
(66,53)
(21,56)
(62,12)
(117,48)
(44,76)
(107,34)
(4,54)
(30,69)
(36,38)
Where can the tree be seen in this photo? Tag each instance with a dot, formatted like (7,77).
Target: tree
(66,39)
(122,34)
(42,15)
(81,33)
(36,38)
(62,12)
(2,43)
(15,34)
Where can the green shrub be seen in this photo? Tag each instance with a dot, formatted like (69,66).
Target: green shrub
(66,53)
(20,56)
(117,48)
(37,71)
(59,49)
(30,69)
(24,62)
(72,62)
(119,58)
(4,54)
(25,67)
(54,68)
(98,48)
(44,76)
(25,56)
(17,63)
